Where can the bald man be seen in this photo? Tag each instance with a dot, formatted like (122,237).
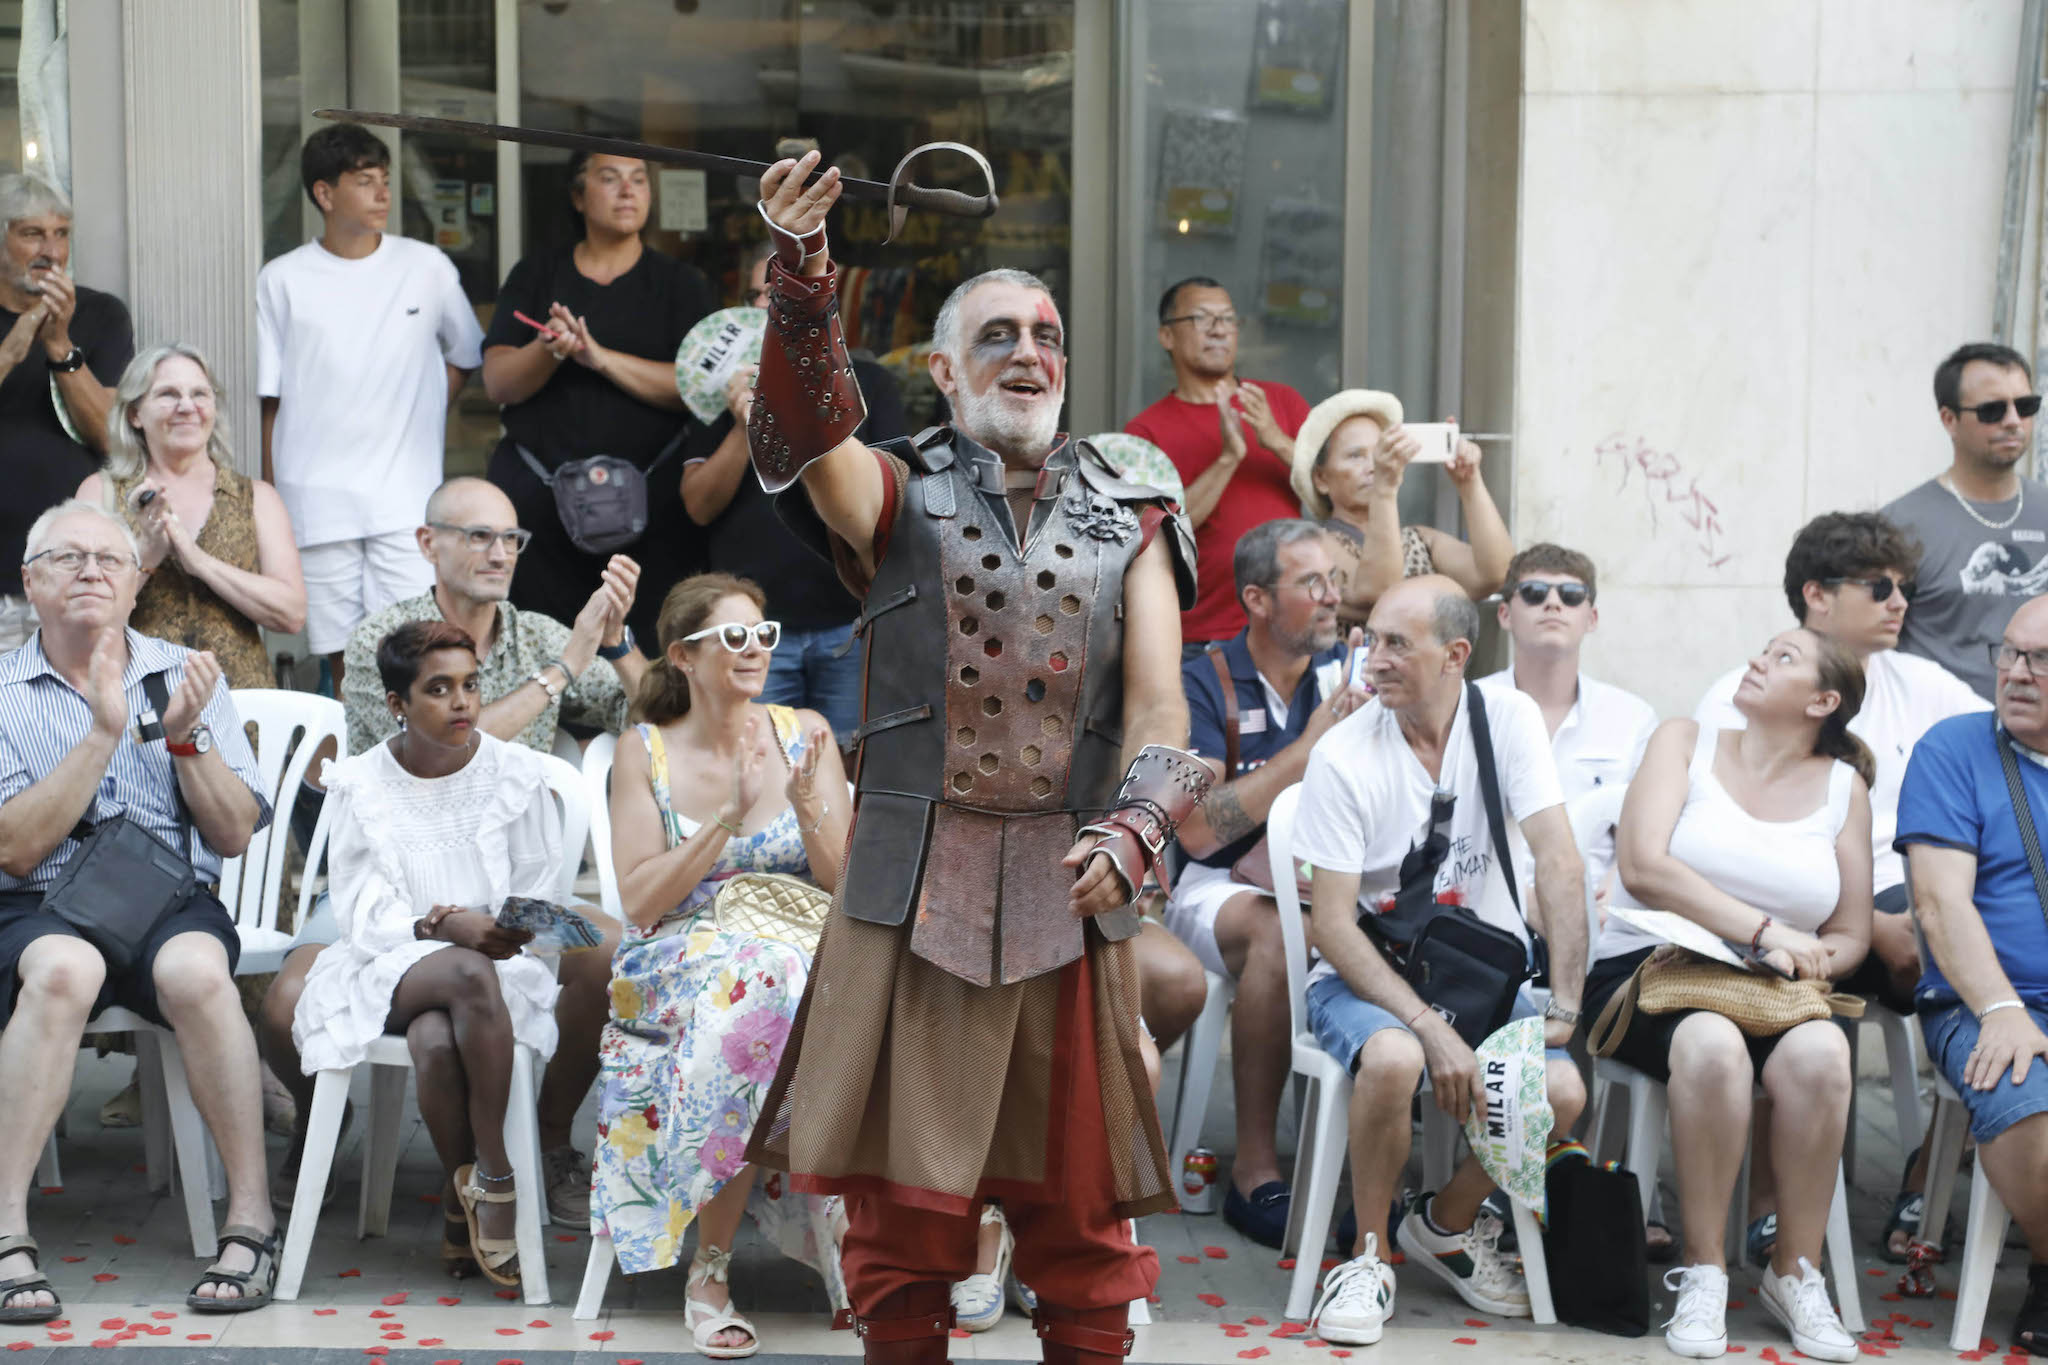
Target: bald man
(1372,823)
(535,673)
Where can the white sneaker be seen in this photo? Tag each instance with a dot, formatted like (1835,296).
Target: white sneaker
(1357,1300)
(1471,1261)
(1801,1303)
(1699,1324)
(978,1299)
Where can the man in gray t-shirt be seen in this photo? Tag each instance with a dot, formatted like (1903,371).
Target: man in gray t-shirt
(1982,526)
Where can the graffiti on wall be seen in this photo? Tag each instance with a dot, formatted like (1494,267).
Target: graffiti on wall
(1669,491)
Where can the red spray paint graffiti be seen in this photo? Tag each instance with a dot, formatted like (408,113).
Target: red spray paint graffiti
(1665,482)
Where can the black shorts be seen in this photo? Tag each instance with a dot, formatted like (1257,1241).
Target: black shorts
(23,921)
(1646,1045)
(1872,977)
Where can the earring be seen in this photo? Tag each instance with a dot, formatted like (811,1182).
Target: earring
(401,724)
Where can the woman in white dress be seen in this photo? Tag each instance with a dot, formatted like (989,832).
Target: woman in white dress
(431,832)
(1762,837)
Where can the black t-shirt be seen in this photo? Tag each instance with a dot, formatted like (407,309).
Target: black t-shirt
(44,465)
(748,539)
(645,312)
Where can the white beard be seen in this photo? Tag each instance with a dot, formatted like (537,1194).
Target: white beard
(1006,428)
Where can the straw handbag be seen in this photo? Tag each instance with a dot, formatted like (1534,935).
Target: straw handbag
(772,905)
(1672,979)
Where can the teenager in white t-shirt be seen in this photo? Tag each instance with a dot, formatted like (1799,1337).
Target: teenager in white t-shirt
(1367,799)
(1845,578)
(362,340)
(1597,730)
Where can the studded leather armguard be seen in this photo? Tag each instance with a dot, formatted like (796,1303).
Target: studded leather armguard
(805,400)
(1162,788)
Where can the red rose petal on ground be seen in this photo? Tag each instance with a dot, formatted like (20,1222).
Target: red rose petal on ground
(73,1260)
(1921,1323)
(1213,1300)
(1891,1298)
(1231,1329)
(349,1274)
(1331,1262)
(381,1313)
(199,1336)
(60,1336)
(565,1237)
(449,1300)
(59,1189)
(21,1345)
(1340,1353)
(1188,1260)
(1464,1341)
(632,1360)
(447,1362)
(105,1277)
(394,1336)
(506,1293)
(1737,1350)
(957,1331)
(1944,1293)
(1477,1322)
(540,1322)
(1255,1322)
(325,1312)
(123,1239)
(602,1336)
(430,1341)
(399,1297)
(1254,1353)
(163,1315)
(1398,1258)
(376,1350)
(1216,1253)
(113,1324)
(107,1343)
(1736,1303)
(511,1332)
(58,1322)
(1870,1350)
(1876,1271)
(1286,1263)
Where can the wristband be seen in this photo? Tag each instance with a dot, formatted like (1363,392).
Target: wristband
(817,824)
(719,820)
(613,653)
(1426,1009)
(1756,940)
(788,244)
(1998,1005)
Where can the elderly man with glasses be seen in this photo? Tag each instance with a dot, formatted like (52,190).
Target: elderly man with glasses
(1983,525)
(1232,441)
(535,673)
(83,741)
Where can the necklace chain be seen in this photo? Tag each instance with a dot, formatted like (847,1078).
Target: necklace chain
(2018,506)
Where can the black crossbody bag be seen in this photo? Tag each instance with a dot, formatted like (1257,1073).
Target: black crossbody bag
(122,883)
(1465,969)
(602,500)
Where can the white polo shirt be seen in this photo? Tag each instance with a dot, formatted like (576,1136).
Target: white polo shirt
(1904,695)
(1599,745)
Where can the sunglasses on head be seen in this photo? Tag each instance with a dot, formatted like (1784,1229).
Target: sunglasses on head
(1880,588)
(735,634)
(1536,593)
(1993,410)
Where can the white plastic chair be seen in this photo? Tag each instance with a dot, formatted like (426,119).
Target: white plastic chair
(1983,1234)
(389,1060)
(1325,1126)
(597,784)
(1649,1109)
(1902,1058)
(1201,1050)
(290,727)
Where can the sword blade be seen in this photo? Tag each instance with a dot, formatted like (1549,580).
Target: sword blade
(591,142)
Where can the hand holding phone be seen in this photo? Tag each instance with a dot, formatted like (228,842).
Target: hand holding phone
(1438,441)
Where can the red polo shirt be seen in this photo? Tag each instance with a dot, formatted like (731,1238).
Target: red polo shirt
(1192,438)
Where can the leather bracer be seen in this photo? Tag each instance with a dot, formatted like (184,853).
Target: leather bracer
(805,400)
(1162,789)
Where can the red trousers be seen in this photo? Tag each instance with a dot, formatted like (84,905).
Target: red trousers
(1073,1252)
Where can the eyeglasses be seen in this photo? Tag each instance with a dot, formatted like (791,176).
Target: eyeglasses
(72,562)
(1397,645)
(1317,586)
(1205,322)
(735,634)
(1993,410)
(1880,588)
(2005,658)
(1536,592)
(481,537)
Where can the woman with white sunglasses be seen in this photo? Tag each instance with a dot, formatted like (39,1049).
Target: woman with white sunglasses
(709,783)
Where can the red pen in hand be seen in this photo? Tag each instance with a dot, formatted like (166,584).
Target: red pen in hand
(550,333)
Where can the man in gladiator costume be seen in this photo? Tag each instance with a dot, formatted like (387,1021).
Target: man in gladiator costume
(970,1031)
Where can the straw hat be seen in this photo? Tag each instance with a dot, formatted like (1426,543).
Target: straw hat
(1324,418)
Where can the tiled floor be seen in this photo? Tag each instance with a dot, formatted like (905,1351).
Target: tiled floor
(121,1259)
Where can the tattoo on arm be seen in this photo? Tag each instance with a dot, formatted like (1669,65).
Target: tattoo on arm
(1227,820)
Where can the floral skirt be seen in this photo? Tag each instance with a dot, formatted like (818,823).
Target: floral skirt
(698,1021)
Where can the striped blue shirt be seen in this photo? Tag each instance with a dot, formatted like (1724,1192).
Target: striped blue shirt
(43,717)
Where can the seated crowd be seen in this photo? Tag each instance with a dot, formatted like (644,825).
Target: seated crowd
(1861,767)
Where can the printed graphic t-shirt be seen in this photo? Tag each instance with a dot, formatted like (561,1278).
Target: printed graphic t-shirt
(1972,578)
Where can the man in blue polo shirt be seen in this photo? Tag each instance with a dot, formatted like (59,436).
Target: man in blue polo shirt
(1286,688)
(1983,996)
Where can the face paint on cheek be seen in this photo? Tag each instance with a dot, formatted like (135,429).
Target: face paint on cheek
(1055,361)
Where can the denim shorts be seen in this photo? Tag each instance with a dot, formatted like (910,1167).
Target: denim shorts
(1951,1031)
(1342,1022)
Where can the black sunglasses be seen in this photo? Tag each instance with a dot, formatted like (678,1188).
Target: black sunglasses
(1536,593)
(1993,410)
(1880,588)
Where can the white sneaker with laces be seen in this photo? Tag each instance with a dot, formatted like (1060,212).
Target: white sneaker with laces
(1698,1327)
(1357,1299)
(1471,1261)
(1801,1303)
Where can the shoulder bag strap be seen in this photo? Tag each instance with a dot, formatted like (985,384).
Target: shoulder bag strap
(540,471)
(2023,811)
(1489,788)
(1230,725)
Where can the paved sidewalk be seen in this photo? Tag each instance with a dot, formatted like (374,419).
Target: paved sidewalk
(121,1258)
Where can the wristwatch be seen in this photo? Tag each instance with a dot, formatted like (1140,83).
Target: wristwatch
(613,653)
(73,361)
(200,741)
(1553,1010)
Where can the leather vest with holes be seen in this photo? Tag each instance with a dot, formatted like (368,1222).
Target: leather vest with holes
(993,705)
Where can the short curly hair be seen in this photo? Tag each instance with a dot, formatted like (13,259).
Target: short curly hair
(1846,545)
(400,654)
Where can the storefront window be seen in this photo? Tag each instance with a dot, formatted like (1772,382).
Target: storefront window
(1236,140)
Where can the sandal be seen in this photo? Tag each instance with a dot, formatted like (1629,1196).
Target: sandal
(255,1284)
(497,1257)
(1659,1249)
(458,1261)
(27,1284)
(705,1321)
(1762,1239)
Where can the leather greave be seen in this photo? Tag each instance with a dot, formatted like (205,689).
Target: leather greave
(1082,1336)
(908,1327)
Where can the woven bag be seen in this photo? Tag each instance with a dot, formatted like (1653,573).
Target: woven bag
(772,905)
(1672,979)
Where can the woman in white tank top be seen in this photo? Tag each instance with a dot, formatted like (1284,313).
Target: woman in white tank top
(1763,837)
